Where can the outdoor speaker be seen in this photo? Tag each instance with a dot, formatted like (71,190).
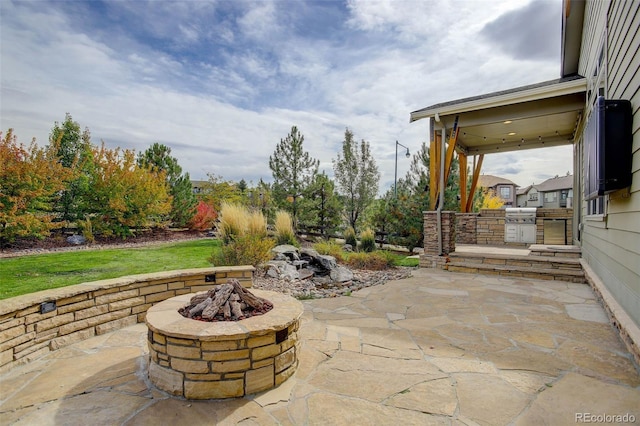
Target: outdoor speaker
(608,139)
(617,146)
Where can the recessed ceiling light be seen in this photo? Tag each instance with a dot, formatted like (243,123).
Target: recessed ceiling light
(508,122)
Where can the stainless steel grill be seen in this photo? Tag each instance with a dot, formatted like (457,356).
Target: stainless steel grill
(520,215)
(520,225)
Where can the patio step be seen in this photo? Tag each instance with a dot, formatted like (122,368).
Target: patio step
(531,266)
(573,252)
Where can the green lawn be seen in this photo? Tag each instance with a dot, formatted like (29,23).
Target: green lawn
(407,261)
(28,274)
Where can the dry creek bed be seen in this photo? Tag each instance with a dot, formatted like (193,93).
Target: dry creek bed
(313,289)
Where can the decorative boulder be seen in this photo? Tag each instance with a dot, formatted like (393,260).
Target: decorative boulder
(76,240)
(292,263)
(327,262)
(291,252)
(283,270)
(341,274)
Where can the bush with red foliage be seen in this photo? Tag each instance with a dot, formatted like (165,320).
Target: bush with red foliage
(205,217)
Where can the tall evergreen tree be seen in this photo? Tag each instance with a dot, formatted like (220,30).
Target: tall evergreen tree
(183,205)
(321,205)
(293,170)
(73,150)
(357,176)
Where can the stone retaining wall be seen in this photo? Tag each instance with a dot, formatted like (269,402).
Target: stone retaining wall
(466,224)
(28,330)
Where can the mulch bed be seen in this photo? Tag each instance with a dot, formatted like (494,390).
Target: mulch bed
(58,241)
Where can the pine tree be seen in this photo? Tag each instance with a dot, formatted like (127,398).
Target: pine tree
(293,170)
(183,206)
(357,176)
(321,205)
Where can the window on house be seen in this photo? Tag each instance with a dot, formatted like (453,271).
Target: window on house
(533,196)
(550,197)
(597,86)
(595,206)
(505,192)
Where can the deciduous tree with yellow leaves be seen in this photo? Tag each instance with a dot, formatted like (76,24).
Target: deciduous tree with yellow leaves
(30,176)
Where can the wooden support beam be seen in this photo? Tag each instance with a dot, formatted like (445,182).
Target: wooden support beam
(449,156)
(474,182)
(463,182)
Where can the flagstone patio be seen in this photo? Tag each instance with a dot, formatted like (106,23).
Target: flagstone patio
(436,348)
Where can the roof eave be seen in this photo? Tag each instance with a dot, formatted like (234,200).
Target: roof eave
(557,89)
(572,23)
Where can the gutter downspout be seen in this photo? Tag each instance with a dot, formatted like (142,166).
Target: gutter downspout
(441,194)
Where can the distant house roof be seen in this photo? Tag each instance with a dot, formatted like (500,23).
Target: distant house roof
(198,183)
(556,183)
(490,181)
(523,191)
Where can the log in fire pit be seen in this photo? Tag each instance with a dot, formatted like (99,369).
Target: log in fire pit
(226,302)
(211,355)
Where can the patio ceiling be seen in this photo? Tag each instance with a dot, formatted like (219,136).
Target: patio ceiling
(535,116)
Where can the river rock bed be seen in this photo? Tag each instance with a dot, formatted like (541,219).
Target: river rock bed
(317,289)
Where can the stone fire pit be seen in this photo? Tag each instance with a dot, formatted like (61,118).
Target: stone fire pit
(225,359)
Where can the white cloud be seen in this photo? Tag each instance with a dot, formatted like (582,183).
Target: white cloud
(224,105)
(260,22)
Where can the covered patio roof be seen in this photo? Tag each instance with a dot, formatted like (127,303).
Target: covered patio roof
(534,116)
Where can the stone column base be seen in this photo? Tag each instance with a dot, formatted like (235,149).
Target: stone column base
(432,261)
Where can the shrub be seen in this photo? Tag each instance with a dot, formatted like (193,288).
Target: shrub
(375,261)
(330,248)
(257,224)
(284,229)
(86,228)
(204,218)
(349,235)
(393,259)
(243,250)
(367,240)
(233,222)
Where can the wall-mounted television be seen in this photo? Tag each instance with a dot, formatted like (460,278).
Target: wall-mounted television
(607,141)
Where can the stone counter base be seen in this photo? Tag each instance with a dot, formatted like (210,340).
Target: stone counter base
(210,360)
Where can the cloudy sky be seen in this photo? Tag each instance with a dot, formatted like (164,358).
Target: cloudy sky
(221,82)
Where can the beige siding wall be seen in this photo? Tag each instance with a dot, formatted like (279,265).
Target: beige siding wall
(611,244)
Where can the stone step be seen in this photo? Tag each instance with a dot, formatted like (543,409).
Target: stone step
(537,262)
(570,275)
(516,265)
(573,252)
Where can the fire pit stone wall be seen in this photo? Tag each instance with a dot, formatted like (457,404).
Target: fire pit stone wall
(226,359)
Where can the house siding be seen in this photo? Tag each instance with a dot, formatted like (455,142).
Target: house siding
(534,203)
(611,244)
